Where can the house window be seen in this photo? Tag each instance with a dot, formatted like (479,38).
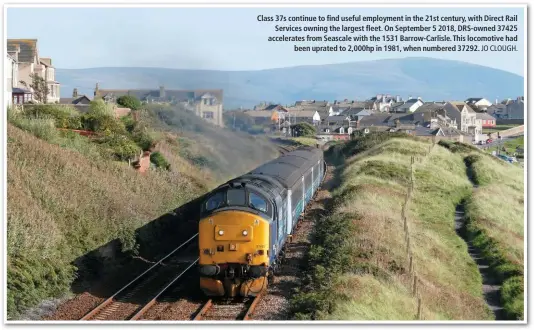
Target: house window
(207,115)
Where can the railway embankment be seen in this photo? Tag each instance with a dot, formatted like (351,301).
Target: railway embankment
(81,222)
(389,249)
(493,224)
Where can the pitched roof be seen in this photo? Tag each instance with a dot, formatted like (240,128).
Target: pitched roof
(484,116)
(28,48)
(46,60)
(473,99)
(339,118)
(302,113)
(461,105)
(73,100)
(259,113)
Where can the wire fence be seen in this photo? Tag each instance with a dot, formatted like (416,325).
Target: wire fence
(414,282)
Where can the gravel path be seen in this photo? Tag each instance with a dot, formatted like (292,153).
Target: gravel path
(275,304)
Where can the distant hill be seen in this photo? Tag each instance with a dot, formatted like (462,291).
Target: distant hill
(432,79)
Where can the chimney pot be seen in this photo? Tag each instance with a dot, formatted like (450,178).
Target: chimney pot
(75,93)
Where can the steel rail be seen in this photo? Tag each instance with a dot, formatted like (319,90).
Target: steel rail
(153,301)
(94,311)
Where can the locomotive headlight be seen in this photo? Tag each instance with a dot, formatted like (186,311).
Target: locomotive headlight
(221,232)
(245,233)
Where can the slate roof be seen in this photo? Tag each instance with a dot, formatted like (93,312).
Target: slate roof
(340,118)
(427,107)
(28,49)
(73,100)
(302,113)
(46,60)
(473,99)
(259,113)
(484,116)
(461,105)
(17,90)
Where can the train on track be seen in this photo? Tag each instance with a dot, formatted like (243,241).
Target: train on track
(246,222)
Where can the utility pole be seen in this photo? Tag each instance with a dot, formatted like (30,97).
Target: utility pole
(234,120)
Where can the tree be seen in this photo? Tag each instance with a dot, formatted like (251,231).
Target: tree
(129,101)
(39,86)
(304,129)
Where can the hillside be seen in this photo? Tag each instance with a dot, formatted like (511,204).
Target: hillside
(432,79)
(76,211)
(366,263)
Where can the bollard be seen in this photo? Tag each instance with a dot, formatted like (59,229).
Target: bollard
(418,308)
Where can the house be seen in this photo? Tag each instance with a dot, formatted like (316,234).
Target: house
(205,103)
(465,116)
(30,63)
(337,120)
(75,99)
(264,117)
(435,114)
(299,116)
(383,102)
(409,106)
(478,102)
(486,121)
(333,133)
(10,71)
(441,133)
(515,109)
(497,110)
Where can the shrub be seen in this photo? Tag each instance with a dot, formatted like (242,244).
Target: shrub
(128,122)
(43,128)
(304,129)
(143,139)
(129,101)
(64,117)
(159,160)
(120,146)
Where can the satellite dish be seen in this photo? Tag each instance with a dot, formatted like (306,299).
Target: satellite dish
(366,130)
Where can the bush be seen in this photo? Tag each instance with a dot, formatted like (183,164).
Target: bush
(143,139)
(121,147)
(128,122)
(304,129)
(129,101)
(64,117)
(159,160)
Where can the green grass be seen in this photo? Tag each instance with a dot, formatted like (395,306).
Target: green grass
(496,223)
(509,145)
(374,283)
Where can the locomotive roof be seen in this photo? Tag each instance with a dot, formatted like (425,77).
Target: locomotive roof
(289,168)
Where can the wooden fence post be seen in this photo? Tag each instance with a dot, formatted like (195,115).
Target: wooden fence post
(418,308)
(415,280)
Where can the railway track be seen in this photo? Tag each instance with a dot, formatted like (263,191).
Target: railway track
(139,295)
(233,309)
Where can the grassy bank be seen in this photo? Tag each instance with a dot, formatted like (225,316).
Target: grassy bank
(359,265)
(496,224)
(69,195)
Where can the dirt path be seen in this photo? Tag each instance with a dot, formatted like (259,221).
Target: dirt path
(275,304)
(491,287)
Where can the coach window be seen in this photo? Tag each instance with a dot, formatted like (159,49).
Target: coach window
(215,201)
(236,197)
(257,202)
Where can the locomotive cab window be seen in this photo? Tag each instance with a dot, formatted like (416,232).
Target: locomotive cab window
(215,201)
(257,202)
(236,197)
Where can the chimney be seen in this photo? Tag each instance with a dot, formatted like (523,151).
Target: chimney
(97,92)
(161,91)
(397,98)
(75,93)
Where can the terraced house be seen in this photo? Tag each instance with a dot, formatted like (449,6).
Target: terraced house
(26,55)
(205,103)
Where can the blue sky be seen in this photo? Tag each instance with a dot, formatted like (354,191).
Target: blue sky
(210,38)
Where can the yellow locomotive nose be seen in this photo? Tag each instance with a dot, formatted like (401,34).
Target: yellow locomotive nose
(233,253)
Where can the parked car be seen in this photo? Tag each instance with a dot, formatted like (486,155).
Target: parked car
(489,141)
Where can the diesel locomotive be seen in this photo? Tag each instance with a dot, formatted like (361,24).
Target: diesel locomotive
(246,222)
